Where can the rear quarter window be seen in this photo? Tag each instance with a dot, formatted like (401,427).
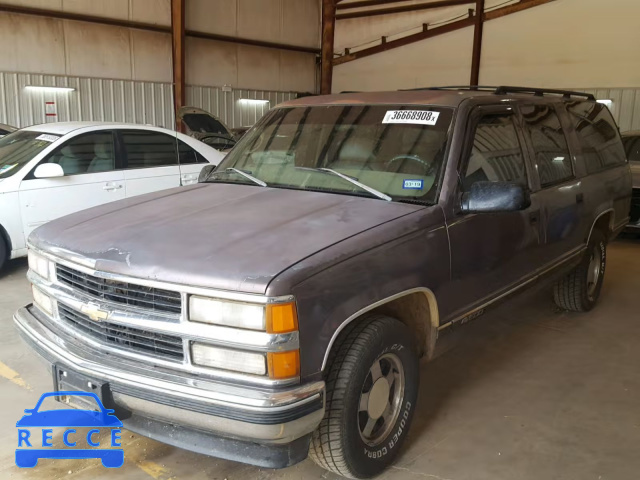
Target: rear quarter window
(549,144)
(598,135)
(632,148)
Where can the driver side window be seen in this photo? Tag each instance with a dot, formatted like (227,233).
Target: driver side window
(88,153)
(496,155)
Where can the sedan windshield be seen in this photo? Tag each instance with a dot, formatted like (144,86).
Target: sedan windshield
(18,148)
(396,151)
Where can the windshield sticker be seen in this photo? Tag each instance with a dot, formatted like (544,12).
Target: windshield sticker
(413,184)
(418,117)
(47,138)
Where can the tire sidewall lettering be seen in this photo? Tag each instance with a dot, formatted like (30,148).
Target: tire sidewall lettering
(392,440)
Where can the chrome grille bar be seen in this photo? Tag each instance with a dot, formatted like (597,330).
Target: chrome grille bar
(150,298)
(125,337)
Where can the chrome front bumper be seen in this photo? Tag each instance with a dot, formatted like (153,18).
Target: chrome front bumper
(257,415)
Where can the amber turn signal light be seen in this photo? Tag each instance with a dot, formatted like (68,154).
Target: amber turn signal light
(282,318)
(283,365)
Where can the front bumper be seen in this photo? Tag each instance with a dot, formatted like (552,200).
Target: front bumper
(250,424)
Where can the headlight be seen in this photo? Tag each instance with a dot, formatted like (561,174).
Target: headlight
(225,359)
(229,314)
(274,318)
(40,264)
(42,300)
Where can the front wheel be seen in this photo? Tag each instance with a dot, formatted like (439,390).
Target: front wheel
(4,252)
(372,387)
(580,289)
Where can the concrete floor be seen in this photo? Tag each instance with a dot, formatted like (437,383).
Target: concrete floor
(526,393)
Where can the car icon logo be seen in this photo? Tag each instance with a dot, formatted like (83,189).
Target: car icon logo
(94,312)
(32,447)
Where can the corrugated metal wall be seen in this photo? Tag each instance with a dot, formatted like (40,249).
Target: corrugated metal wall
(122,101)
(625,107)
(229,107)
(93,100)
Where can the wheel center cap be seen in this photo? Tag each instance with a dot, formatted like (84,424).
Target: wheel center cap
(378,398)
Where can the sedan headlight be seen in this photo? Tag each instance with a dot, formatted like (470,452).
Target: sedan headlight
(40,265)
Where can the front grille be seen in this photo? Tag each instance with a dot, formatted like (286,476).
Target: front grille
(167,347)
(149,298)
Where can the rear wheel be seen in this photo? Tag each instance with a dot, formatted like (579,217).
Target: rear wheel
(372,386)
(579,290)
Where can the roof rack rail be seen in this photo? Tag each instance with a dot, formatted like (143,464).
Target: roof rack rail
(455,87)
(504,90)
(539,92)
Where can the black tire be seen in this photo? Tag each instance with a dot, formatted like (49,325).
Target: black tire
(4,252)
(338,443)
(575,292)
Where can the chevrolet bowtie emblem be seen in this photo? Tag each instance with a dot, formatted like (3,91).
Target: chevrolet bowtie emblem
(94,312)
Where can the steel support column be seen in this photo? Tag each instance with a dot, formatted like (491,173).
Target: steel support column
(477,43)
(328,30)
(177,40)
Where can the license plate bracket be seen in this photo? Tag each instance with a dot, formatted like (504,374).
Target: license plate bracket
(65,379)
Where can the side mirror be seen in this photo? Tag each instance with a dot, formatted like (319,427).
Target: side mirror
(493,197)
(48,170)
(205,172)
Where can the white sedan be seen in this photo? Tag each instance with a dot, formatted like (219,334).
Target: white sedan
(51,170)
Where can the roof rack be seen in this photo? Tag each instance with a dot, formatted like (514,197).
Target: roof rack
(539,92)
(455,87)
(504,90)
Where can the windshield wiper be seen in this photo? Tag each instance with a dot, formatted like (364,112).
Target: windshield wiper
(255,180)
(364,187)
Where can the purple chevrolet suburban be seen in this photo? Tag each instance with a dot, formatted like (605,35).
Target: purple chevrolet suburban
(279,308)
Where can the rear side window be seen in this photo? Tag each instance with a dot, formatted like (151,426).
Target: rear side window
(598,135)
(149,149)
(496,155)
(632,148)
(188,155)
(549,144)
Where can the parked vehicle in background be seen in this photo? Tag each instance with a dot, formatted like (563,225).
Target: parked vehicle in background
(239,132)
(631,142)
(6,129)
(279,308)
(51,170)
(207,128)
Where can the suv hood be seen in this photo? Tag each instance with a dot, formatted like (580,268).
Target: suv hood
(223,236)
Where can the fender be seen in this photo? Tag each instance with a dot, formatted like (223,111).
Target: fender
(609,210)
(433,308)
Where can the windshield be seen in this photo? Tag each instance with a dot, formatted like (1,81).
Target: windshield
(396,150)
(18,148)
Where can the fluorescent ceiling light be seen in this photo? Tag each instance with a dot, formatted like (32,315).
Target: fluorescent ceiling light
(608,103)
(253,101)
(43,88)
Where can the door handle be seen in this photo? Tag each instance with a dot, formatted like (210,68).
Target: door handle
(580,198)
(110,187)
